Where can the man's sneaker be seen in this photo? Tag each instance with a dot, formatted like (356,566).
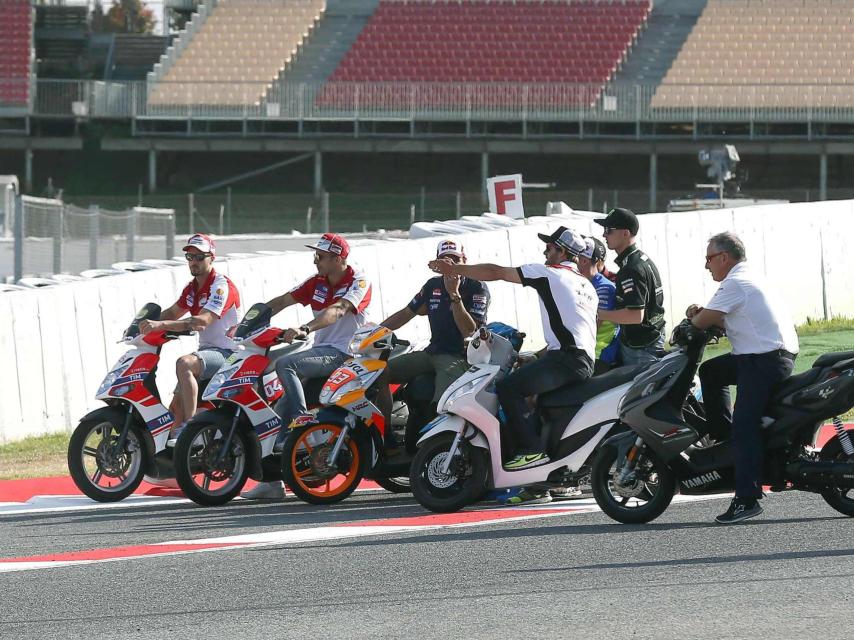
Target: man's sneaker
(173,437)
(265,491)
(565,493)
(525,461)
(528,497)
(740,509)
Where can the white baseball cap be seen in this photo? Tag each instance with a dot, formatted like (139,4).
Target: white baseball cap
(448,247)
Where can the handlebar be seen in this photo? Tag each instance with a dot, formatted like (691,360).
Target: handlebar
(401,343)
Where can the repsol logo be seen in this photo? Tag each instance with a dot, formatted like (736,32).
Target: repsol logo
(699,481)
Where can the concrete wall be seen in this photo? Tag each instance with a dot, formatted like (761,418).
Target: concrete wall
(57,343)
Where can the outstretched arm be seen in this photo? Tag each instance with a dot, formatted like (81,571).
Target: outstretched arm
(482,272)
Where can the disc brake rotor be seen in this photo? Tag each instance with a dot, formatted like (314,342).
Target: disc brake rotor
(435,475)
(217,469)
(113,463)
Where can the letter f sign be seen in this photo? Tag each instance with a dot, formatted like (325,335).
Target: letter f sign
(505,195)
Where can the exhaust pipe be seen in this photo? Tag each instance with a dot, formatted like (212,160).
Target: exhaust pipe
(826,472)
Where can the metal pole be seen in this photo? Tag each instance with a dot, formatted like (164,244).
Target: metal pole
(192,212)
(131,235)
(152,171)
(170,236)
(822,184)
(459,205)
(94,232)
(325,212)
(423,201)
(653,182)
(308,220)
(221,218)
(484,175)
(28,170)
(411,214)
(318,174)
(590,199)
(57,241)
(228,209)
(19,238)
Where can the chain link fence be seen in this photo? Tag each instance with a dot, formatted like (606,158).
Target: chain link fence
(54,237)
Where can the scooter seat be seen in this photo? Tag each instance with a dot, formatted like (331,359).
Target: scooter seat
(832,358)
(579,392)
(793,383)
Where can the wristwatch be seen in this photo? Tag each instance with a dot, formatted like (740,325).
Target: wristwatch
(305,329)
(456,298)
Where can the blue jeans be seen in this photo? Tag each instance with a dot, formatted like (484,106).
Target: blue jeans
(642,355)
(294,369)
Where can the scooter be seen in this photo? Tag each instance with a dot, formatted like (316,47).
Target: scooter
(220,449)
(460,455)
(325,458)
(635,474)
(114,447)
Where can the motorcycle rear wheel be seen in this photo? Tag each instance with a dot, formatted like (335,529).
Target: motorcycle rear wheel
(840,498)
(395,485)
(462,485)
(653,495)
(94,464)
(204,477)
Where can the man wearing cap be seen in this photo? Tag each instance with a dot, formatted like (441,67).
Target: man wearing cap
(591,264)
(213,303)
(455,307)
(639,295)
(339,296)
(568,309)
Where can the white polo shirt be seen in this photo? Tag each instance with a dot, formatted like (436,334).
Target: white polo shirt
(756,321)
(568,304)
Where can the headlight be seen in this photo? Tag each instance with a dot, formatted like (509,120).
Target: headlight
(344,389)
(463,390)
(219,379)
(108,382)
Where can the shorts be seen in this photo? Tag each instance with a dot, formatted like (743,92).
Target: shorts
(212,359)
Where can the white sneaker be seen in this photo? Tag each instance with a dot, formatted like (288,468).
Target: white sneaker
(265,491)
(565,493)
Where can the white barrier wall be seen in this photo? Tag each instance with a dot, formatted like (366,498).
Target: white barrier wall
(57,343)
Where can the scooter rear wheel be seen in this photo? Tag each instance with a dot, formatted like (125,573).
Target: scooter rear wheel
(208,476)
(447,492)
(395,485)
(639,502)
(305,468)
(98,470)
(841,499)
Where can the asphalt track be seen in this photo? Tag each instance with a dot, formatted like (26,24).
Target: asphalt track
(787,574)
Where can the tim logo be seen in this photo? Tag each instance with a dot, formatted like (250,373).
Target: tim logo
(699,481)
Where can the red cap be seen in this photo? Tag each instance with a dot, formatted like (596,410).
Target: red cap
(202,242)
(332,243)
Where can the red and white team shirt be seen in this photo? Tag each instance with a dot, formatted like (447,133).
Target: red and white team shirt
(317,293)
(219,296)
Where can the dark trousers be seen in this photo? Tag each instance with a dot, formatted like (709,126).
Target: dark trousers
(754,376)
(553,370)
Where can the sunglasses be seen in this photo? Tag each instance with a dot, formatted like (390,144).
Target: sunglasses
(196,257)
(608,230)
(709,258)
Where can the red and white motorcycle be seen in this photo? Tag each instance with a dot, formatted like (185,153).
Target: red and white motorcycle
(114,447)
(220,449)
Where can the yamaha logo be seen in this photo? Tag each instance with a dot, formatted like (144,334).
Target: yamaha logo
(699,481)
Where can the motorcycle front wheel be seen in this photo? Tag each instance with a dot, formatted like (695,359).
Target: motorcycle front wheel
(99,469)
(209,474)
(641,499)
(461,485)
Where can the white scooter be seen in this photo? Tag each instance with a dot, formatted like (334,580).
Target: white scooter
(459,456)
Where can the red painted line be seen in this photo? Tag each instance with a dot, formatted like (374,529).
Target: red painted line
(460,517)
(133,551)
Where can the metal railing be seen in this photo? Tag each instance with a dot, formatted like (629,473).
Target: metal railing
(456,102)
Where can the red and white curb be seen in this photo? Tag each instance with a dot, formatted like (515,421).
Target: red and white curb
(360,529)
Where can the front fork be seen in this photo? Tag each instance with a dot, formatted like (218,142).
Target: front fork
(225,448)
(123,436)
(628,470)
(349,423)
(446,464)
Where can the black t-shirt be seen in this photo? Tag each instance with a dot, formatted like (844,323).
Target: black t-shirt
(445,337)
(639,287)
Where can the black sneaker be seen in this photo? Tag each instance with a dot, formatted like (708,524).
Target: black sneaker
(740,509)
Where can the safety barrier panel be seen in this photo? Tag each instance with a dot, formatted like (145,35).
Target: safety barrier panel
(57,343)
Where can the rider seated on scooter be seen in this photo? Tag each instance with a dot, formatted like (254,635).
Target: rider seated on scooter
(338,295)
(568,304)
(213,303)
(455,307)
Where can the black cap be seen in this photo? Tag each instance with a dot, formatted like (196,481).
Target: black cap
(619,218)
(553,238)
(594,249)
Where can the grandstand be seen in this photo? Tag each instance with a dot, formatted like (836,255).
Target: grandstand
(16,46)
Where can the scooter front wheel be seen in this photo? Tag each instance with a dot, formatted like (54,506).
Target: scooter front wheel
(462,484)
(209,470)
(638,500)
(98,468)
(306,469)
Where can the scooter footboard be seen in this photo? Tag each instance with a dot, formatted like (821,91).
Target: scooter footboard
(454,424)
